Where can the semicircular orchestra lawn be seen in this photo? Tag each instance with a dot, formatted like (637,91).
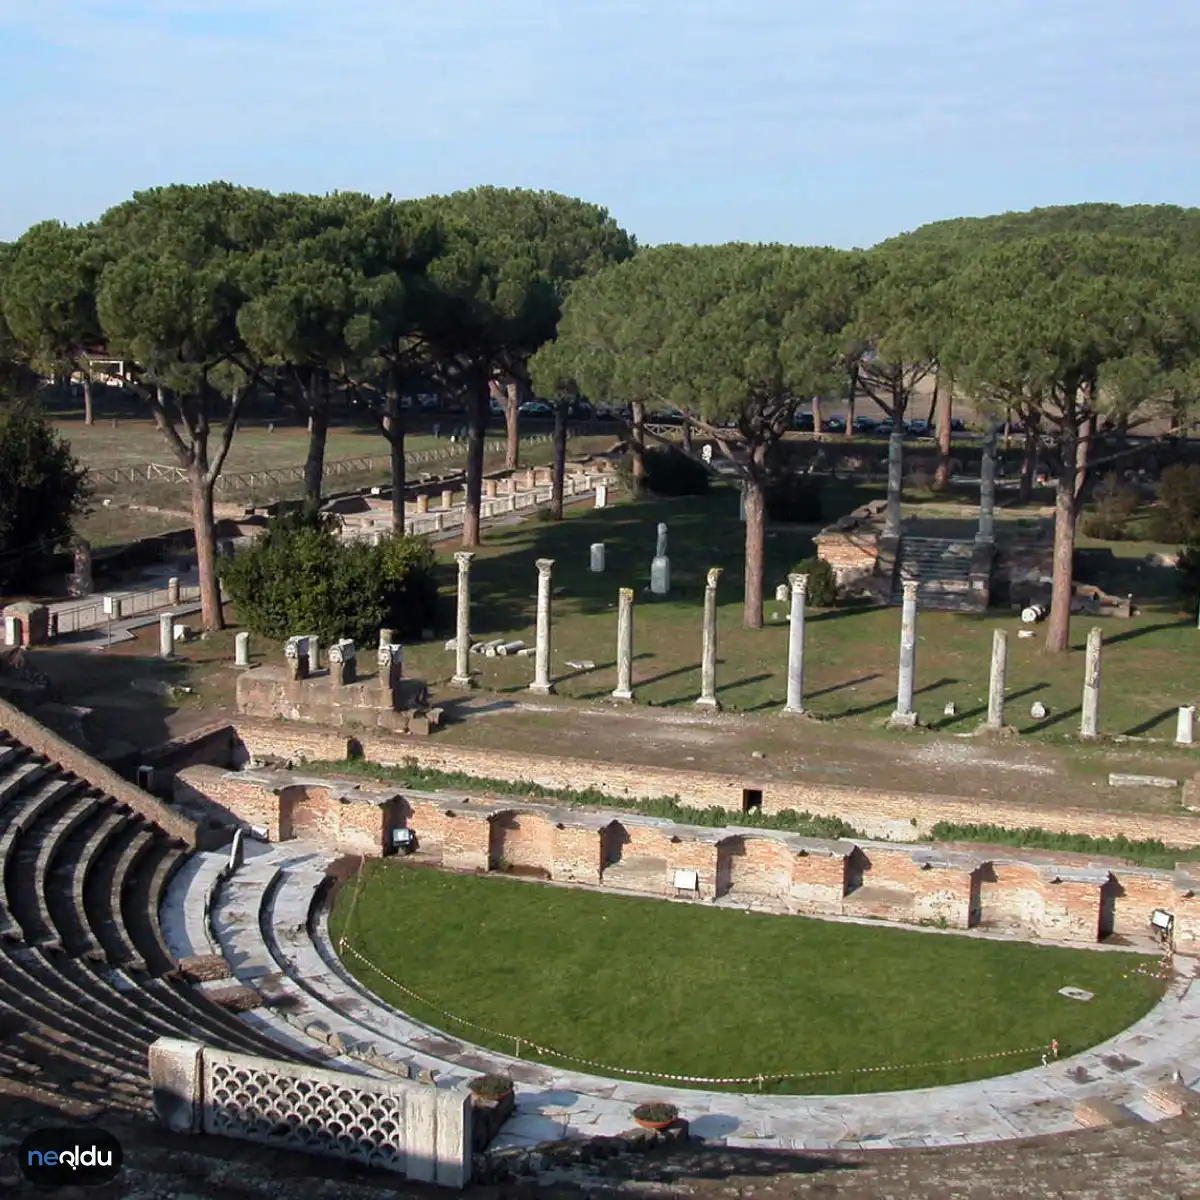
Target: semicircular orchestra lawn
(677,989)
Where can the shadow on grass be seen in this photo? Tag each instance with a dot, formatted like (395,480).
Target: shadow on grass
(1056,719)
(838,687)
(890,702)
(723,689)
(1130,634)
(1146,726)
(980,710)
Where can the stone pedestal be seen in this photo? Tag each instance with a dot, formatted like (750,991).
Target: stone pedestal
(241,650)
(624,689)
(173,590)
(660,576)
(795,665)
(166,635)
(597,558)
(462,636)
(314,654)
(342,663)
(541,659)
(602,495)
(423,503)
(390,660)
(295,654)
(447,498)
(489,489)
(997,679)
(904,717)
(1089,721)
(1185,726)
(708,660)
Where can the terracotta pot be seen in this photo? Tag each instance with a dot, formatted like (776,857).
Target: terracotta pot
(659,1125)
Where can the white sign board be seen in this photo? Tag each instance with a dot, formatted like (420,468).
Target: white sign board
(687,881)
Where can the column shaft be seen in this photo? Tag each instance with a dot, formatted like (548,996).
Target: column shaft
(462,634)
(1089,721)
(997,678)
(795,665)
(708,661)
(624,645)
(541,671)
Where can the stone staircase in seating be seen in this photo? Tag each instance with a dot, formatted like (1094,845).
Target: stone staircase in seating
(951,576)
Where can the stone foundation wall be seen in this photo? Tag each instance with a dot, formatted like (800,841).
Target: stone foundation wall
(878,814)
(786,872)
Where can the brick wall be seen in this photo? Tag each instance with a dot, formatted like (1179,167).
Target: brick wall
(525,841)
(576,854)
(73,760)
(818,882)
(243,800)
(752,866)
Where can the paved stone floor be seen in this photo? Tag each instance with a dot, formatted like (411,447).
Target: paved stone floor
(554,1103)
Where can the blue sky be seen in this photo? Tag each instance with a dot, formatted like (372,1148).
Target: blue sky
(812,121)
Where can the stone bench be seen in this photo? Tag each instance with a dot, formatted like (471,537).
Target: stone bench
(1099,1113)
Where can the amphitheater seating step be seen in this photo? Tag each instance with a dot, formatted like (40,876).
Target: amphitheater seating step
(1098,1113)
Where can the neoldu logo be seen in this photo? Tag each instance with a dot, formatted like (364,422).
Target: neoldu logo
(83,1157)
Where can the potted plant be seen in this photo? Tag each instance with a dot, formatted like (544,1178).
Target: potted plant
(491,1089)
(655,1116)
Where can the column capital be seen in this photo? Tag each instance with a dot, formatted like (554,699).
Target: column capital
(625,594)
(543,565)
(910,589)
(798,583)
(714,573)
(464,558)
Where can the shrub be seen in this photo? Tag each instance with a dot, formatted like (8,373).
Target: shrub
(655,1114)
(300,577)
(490,1087)
(1113,504)
(42,489)
(1187,575)
(669,473)
(822,587)
(792,499)
(1176,517)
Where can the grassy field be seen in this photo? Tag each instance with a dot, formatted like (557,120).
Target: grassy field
(650,986)
(851,653)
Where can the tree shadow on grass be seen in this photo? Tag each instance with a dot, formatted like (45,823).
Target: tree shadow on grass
(1130,634)
(723,690)
(1056,719)
(838,687)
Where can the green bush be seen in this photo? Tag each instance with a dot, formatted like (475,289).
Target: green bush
(1176,517)
(822,587)
(300,577)
(669,473)
(1113,505)
(1187,575)
(792,499)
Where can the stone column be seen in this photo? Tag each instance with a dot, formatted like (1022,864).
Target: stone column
(602,495)
(447,498)
(624,645)
(996,680)
(795,665)
(541,659)
(1089,721)
(423,503)
(489,489)
(904,717)
(462,637)
(986,534)
(708,661)
(597,558)
(173,590)
(241,645)
(1185,726)
(166,635)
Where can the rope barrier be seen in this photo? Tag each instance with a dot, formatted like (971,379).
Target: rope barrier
(519,1041)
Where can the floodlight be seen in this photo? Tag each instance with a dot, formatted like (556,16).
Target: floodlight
(1162,921)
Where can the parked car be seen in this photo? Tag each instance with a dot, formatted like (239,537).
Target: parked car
(834,425)
(865,424)
(919,428)
(957,425)
(580,410)
(803,421)
(535,408)
(429,402)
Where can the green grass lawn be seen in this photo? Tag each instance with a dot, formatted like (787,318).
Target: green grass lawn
(851,653)
(646,985)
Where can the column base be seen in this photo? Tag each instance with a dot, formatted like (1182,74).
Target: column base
(1088,737)
(899,720)
(464,681)
(799,710)
(624,696)
(542,689)
(709,702)
(985,539)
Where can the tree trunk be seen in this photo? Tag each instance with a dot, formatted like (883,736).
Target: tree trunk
(752,611)
(637,446)
(560,461)
(204,526)
(477,412)
(816,414)
(1059,628)
(851,399)
(933,403)
(686,436)
(314,464)
(945,410)
(1028,465)
(895,479)
(88,414)
(510,401)
(1084,455)
(395,436)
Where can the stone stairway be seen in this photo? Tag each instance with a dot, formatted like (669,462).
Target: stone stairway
(941,569)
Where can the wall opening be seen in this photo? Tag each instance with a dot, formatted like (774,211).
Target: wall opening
(752,800)
(1110,892)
